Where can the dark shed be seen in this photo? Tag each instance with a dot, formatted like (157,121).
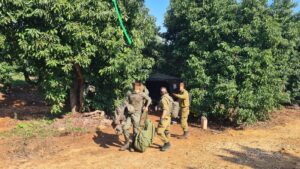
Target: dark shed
(158,80)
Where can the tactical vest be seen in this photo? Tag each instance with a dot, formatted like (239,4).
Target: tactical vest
(137,101)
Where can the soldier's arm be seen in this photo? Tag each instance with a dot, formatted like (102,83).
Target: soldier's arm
(148,99)
(165,107)
(183,96)
(126,100)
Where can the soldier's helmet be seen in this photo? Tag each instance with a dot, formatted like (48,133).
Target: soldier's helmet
(130,108)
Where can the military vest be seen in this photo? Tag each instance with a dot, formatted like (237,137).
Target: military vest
(137,101)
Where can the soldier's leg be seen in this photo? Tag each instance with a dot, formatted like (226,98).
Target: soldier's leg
(163,129)
(184,119)
(167,131)
(126,131)
(136,117)
(126,128)
(164,133)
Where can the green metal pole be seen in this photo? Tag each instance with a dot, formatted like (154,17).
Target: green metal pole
(121,22)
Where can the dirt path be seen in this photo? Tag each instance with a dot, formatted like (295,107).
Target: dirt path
(275,146)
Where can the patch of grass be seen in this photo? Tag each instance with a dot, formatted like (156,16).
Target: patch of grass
(42,128)
(30,129)
(71,128)
(18,79)
(75,129)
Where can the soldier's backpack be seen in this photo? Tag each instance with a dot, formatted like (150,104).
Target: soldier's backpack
(174,108)
(144,138)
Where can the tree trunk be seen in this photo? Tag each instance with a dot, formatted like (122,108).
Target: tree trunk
(76,92)
(80,81)
(27,78)
(73,96)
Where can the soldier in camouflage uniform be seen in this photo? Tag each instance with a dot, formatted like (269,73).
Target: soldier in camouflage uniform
(184,103)
(137,102)
(163,130)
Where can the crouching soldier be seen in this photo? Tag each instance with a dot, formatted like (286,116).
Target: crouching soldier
(163,130)
(137,102)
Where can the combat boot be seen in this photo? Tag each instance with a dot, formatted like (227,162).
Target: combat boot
(185,135)
(131,147)
(126,146)
(165,147)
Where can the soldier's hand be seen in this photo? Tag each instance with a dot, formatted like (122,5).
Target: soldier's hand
(160,121)
(145,109)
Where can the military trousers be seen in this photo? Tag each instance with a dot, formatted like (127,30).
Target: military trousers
(163,130)
(131,120)
(185,111)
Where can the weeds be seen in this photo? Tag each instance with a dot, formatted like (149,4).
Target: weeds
(41,129)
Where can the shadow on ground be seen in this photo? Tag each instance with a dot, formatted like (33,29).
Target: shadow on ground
(155,146)
(107,140)
(258,158)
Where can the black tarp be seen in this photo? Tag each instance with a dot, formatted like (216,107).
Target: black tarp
(158,80)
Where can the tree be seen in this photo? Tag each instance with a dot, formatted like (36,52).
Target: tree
(177,35)
(201,42)
(283,13)
(294,76)
(68,44)
(5,68)
(234,56)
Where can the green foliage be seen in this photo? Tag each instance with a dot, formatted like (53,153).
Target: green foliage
(47,38)
(294,78)
(6,72)
(289,24)
(17,78)
(233,56)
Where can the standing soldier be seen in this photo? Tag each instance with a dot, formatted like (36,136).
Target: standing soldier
(184,103)
(135,105)
(163,130)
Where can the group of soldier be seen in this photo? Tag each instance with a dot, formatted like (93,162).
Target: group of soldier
(138,102)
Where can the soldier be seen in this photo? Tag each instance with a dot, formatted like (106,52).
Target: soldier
(184,103)
(135,105)
(163,130)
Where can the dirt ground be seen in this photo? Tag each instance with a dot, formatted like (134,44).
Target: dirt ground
(272,144)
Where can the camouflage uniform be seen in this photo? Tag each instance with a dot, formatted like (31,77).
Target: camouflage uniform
(144,114)
(184,103)
(145,90)
(163,130)
(136,100)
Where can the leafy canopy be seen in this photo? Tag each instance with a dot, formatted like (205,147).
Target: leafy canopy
(47,38)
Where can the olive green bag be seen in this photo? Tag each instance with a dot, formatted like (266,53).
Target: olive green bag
(174,107)
(144,138)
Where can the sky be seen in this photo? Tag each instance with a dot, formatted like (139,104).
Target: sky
(158,9)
